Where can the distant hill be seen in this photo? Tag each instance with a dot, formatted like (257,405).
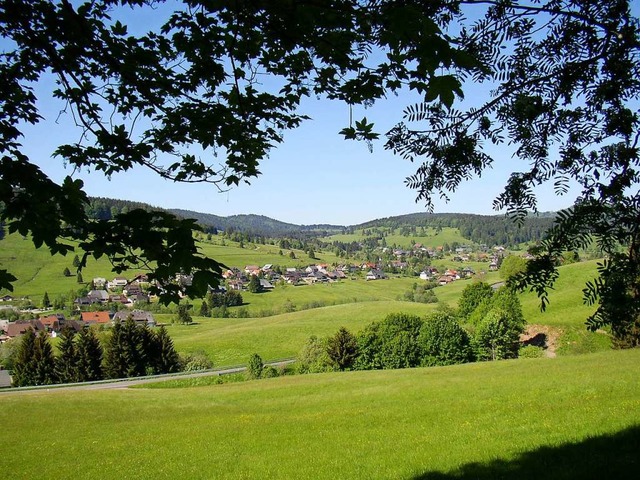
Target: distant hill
(106,208)
(481,229)
(257,224)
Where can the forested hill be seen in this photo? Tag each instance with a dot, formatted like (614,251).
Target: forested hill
(258,224)
(106,208)
(482,229)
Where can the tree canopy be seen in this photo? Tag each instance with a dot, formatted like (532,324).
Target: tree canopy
(207,94)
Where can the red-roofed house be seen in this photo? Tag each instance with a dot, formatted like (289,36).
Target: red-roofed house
(95,317)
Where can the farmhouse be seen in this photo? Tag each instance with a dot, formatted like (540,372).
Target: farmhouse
(15,329)
(375,274)
(92,318)
(139,316)
(98,296)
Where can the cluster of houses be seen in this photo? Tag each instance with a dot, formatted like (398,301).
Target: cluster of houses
(119,290)
(238,279)
(53,324)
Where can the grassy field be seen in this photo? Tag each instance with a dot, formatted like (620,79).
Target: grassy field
(432,238)
(232,255)
(38,272)
(230,341)
(572,417)
(345,291)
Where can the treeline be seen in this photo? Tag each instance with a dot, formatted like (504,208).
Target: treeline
(486,326)
(258,225)
(107,208)
(130,351)
(482,229)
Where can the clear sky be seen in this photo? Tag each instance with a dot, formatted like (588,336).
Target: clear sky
(313,177)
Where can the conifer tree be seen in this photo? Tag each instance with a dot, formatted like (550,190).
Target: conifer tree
(44,364)
(89,356)
(166,360)
(46,303)
(342,349)
(125,356)
(204,309)
(24,363)
(66,362)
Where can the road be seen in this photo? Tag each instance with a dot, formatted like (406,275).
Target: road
(126,383)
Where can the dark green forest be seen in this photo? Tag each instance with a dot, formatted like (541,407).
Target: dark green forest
(481,229)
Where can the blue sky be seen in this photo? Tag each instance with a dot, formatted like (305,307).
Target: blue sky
(313,177)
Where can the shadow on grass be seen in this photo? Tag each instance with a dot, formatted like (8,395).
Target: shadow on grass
(615,456)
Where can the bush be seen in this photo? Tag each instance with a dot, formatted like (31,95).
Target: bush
(531,351)
(472,296)
(444,341)
(269,372)
(313,357)
(183,315)
(497,336)
(255,366)
(392,343)
(195,361)
(241,313)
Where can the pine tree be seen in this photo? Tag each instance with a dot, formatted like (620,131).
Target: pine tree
(342,349)
(114,355)
(66,272)
(204,309)
(167,360)
(89,356)
(24,363)
(44,362)
(76,261)
(46,303)
(125,354)
(79,278)
(66,362)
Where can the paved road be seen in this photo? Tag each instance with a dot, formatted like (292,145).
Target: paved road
(113,384)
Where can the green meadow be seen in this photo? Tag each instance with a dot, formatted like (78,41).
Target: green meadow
(232,255)
(431,238)
(230,341)
(38,271)
(569,417)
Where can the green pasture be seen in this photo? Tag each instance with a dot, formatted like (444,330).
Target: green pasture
(38,271)
(432,238)
(344,291)
(566,307)
(230,341)
(571,417)
(232,255)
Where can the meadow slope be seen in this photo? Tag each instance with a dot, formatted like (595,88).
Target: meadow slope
(571,417)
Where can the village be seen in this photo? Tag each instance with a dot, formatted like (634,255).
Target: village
(123,298)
